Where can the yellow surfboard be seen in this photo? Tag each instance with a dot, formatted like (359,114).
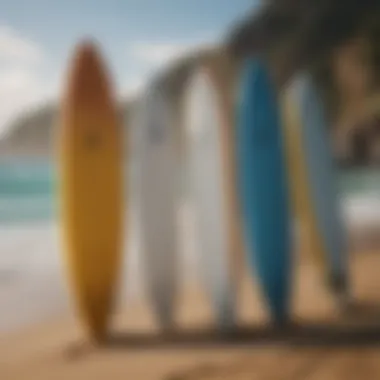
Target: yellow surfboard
(90,144)
(310,240)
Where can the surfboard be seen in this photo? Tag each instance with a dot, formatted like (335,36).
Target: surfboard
(331,243)
(208,179)
(91,188)
(264,187)
(301,204)
(158,201)
(223,74)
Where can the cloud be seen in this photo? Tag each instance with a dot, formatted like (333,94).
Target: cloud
(23,81)
(19,90)
(151,56)
(132,87)
(161,53)
(14,46)
(158,54)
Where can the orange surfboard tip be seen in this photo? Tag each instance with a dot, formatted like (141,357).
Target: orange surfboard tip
(87,47)
(88,79)
(86,55)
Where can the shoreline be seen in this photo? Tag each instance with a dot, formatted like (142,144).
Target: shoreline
(36,282)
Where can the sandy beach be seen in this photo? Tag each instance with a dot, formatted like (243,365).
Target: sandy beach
(322,344)
(40,338)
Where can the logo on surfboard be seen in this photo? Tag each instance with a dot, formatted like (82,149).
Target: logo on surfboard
(92,141)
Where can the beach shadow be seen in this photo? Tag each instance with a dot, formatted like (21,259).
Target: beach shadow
(359,327)
(79,350)
(363,312)
(237,367)
(295,335)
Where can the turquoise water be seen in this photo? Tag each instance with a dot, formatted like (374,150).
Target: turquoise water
(27,192)
(28,189)
(360,182)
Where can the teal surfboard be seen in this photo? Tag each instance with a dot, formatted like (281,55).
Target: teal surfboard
(264,188)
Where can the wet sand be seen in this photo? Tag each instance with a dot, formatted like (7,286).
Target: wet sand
(322,343)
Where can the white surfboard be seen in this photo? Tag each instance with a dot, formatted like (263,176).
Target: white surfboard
(208,192)
(157,199)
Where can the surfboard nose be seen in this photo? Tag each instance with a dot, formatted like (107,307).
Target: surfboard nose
(88,80)
(256,74)
(87,52)
(258,89)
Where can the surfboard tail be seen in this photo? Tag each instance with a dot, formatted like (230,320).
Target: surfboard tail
(95,311)
(277,296)
(339,284)
(163,298)
(225,306)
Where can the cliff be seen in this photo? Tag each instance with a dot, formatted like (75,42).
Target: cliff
(336,41)
(34,132)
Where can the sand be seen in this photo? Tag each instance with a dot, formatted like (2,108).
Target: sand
(322,344)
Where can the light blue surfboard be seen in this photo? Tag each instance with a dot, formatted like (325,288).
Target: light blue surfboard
(322,177)
(264,188)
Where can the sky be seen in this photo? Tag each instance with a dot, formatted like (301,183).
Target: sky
(137,37)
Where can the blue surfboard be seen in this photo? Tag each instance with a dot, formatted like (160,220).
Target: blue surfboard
(323,184)
(263,187)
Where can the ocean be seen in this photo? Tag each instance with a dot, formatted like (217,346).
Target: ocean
(32,283)
(28,191)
